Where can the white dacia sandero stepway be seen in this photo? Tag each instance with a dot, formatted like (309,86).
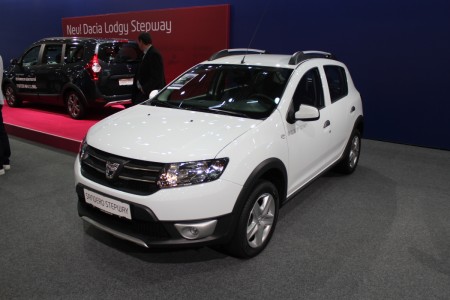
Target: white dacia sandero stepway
(209,159)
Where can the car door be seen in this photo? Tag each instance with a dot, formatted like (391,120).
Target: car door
(343,118)
(49,79)
(309,141)
(25,74)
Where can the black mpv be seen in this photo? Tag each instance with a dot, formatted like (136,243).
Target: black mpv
(79,73)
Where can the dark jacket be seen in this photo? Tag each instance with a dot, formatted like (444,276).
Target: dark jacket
(150,75)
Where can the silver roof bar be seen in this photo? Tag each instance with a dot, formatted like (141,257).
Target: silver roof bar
(237,51)
(300,56)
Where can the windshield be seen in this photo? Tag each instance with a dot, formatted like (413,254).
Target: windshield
(245,91)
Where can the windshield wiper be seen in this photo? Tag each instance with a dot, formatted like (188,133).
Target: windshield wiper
(229,112)
(213,109)
(156,102)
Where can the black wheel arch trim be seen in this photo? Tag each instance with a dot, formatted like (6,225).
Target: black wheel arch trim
(8,81)
(70,86)
(359,124)
(271,169)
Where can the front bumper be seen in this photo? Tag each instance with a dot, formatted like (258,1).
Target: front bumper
(146,230)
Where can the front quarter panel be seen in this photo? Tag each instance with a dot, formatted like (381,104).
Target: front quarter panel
(265,141)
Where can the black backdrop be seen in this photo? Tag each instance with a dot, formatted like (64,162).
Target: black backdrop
(397,51)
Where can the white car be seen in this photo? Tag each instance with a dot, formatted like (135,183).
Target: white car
(210,159)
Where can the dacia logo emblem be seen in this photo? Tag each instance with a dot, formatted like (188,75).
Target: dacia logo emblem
(111,169)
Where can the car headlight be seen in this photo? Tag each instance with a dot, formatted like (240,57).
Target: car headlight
(83,147)
(193,172)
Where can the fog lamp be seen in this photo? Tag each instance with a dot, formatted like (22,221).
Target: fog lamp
(190,232)
(195,231)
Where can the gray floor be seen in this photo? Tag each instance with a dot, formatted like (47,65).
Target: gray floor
(381,233)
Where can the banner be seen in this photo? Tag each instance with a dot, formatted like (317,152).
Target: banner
(184,36)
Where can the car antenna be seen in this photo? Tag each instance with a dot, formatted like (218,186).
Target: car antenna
(257,28)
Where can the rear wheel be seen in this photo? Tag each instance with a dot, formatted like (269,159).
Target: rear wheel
(351,155)
(256,222)
(11,96)
(75,105)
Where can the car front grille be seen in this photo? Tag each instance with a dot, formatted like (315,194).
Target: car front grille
(132,176)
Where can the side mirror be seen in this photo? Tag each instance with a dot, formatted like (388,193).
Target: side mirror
(153,94)
(14,61)
(307,113)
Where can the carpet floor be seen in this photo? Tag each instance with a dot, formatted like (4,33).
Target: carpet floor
(381,233)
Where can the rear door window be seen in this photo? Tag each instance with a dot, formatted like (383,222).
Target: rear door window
(337,82)
(74,53)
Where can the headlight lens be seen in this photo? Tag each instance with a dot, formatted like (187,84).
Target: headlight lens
(193,172)
(83,147)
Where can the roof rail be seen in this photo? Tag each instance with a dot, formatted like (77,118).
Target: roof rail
(300,56)
(237,51)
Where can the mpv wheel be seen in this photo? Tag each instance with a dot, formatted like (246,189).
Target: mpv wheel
(11,96)
(74,105)
(351,156)
(256,222)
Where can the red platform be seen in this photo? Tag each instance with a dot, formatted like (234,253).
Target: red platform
(50,125)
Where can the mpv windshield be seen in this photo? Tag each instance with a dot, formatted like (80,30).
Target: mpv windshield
(245,91)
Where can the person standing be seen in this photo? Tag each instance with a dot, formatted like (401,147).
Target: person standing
(5,150)
(150,73)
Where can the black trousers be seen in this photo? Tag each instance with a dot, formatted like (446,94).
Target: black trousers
(5,149)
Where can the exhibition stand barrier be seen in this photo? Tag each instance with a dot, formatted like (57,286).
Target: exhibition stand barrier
(50,125)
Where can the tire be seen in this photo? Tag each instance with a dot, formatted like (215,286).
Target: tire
(11,96)
(74,105)
(256,222)
(351,155)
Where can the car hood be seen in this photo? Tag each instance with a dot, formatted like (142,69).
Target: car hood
(166,135)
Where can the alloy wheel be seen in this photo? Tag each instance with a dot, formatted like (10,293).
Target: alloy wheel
(260,220)
(354,152)
(10,96)
(73,105)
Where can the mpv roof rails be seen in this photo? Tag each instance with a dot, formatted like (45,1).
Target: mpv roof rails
(299,56)
(237,51)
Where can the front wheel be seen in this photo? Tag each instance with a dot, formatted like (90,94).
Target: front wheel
(256,222)
(75,105)
(11,96)
(351,155)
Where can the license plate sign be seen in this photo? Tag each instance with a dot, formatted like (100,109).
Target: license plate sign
(126,81)
(108,205)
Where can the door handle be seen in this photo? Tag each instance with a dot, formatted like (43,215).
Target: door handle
(326,124)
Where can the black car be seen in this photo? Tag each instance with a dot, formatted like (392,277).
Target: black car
(79,73)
